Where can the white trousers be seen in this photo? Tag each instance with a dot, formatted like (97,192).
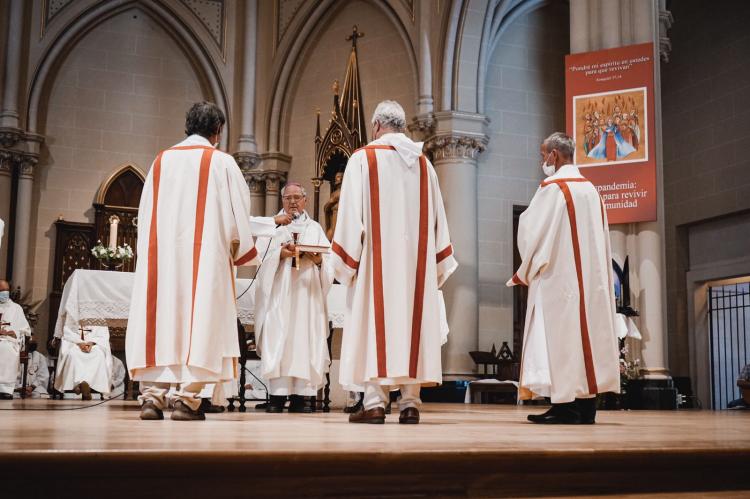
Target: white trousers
(288,385)
(158,393)
(377,396)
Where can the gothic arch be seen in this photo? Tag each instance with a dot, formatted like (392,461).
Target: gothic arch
(87,20)
(124,178)
(288,63)
(497,16)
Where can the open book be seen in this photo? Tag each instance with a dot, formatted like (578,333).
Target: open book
(312,248)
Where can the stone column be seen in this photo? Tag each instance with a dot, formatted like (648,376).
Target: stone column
(257,195)
(273,186)
(598,25)
(6,174)
(9,113)
(454,145)
(246,142)
(25,164)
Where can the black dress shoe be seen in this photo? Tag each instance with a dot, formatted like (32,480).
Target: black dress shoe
(587,410)
(301,404)
(276,405)
(558,414)
(6,396)
(208,408)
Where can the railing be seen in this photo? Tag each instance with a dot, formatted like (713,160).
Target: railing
(729,329)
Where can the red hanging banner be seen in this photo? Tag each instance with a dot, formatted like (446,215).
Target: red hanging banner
(610,115)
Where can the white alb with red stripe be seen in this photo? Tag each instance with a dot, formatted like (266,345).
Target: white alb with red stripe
(392,247)
(194,228)
(570,344)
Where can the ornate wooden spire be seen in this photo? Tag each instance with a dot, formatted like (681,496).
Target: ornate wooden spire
(351,93)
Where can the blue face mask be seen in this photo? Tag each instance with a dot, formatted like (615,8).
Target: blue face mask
(4,296)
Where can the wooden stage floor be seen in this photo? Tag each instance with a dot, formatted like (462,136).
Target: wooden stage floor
(457,451)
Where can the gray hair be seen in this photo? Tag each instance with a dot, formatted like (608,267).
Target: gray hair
(290,184)
(390,114)
(562,142)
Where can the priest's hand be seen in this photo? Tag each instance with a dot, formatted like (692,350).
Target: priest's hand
(85,347)
(316,258)
(282,219)
(287,251)
(6,332)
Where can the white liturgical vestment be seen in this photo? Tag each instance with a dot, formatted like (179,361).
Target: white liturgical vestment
(194,227)
(570,342)
(291,317)
(75,366)
(392,248)
(10,348)
(37,377)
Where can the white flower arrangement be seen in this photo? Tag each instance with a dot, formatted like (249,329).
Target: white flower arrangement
(106,255)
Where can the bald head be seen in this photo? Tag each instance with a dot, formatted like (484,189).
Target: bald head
(4,286)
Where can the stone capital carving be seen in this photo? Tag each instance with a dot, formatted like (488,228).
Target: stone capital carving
(247,160)
(423,125)
(9,137)
(26,164)
(665,22)
(273,181)
(256,183)
(455,146)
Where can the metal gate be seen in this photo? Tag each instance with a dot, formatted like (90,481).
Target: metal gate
(729,323)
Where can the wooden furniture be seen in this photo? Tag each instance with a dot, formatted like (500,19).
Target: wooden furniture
(501,384)
(118,195)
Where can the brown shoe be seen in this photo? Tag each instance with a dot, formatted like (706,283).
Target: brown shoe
(85,390)
(149,411)
(182,412)
(373,416)
(410,415)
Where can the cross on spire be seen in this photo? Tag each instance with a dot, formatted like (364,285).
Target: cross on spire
(355,34)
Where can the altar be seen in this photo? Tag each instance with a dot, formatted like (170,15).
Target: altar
(98,297)
(102,298)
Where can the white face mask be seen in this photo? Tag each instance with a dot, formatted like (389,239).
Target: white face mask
(548,170)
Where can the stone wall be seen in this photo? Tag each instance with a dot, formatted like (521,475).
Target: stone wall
(120,96)
(705,96)
(524,99)
(385,71)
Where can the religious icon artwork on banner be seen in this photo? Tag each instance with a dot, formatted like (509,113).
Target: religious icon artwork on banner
(610,127)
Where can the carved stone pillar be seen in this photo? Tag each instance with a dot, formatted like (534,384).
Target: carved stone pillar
(22,223)
(257,194)
(9,112)
(6,176)
(455,142)
(247,119)
(596,25)
(273,182)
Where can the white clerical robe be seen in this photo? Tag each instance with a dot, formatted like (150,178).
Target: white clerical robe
(570,343)
(75,366)
(118,377)
(392,247)
(37,375)
(10,348)
(193,228)
(291,317)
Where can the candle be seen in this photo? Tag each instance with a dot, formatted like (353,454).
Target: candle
(114,220)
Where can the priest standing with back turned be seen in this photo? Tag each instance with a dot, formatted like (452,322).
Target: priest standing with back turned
(194,228)
(570,345)
(392,248)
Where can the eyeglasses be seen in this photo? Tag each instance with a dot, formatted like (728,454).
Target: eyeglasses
(293,198)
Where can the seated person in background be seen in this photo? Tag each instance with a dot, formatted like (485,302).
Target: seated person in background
(37,376)
(13,331)
(118,377)
(85,361)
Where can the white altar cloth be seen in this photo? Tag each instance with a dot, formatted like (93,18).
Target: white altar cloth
(96,296)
